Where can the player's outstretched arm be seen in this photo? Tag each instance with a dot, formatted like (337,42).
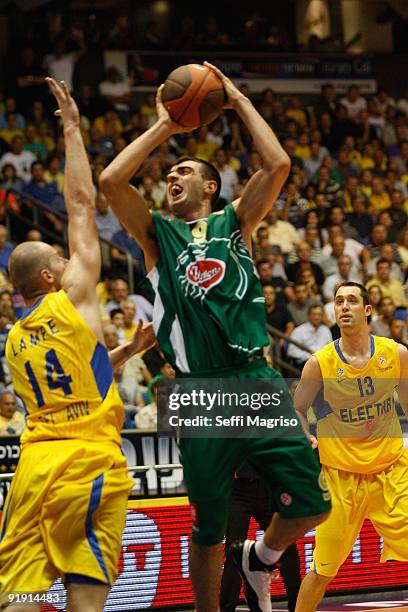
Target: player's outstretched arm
(83,270)
(403,384)
(126,201)
(264,187)
(305,394)
(142,340)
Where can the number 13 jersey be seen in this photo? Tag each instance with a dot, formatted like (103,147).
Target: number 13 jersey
(358,428)
(63,374)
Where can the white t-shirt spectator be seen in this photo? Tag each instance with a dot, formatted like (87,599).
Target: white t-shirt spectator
(354,108)
(144,309)
(229,180)
(313,338)
(121,88)
(62,68)
(21,162)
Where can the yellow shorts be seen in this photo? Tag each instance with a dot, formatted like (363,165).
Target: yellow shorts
(64,514)
(381,497)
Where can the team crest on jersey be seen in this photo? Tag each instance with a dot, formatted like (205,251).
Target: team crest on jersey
(286,499)
(205,272)
(340,372)
(382,361)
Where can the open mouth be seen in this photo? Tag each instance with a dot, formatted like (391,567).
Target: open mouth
(176,191)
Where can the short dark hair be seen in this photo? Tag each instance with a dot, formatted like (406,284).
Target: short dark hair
(313,306)
(114,312)
(381,261)
(363,290)
(208,172)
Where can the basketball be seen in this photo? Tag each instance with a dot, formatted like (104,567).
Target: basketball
(193,95)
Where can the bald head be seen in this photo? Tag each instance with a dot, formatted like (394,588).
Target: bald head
(27,264)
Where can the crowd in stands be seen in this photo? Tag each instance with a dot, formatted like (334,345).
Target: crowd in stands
(342,214)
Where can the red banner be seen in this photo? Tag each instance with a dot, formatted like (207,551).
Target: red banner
(153,569)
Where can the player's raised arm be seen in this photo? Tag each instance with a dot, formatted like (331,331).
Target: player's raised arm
(83,270)
(264,187)
(126,201)
(305,394)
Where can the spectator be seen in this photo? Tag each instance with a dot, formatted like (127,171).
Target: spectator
(120,292)
(389,286)
(360,219)
(146,417)
(313,334)
(299,308)
(129,318)
(386,252)
(33,143)
(326,184)
(12,422)
(386,311)
(60,64)
(7,201)
(270,276)
(106,222)
(327,102)
(30,84)
(53,173)
(20,159)
(345,168)
(7,318)
(378,238)
(115,90)
(10,107)
(375,297)
(398,214)
(303,252)
(313,163)
(354,102)
(91,105)
(403,247)
(229,178)
(10,131)
(337,246)
(280,233)
(398,332)
(5,249)
(117,319)
(127,244)
(9,178)
(336,216)
(344,273)
(379,199)
(277,315)
(402,157)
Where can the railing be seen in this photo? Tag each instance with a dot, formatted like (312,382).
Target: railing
(39,209)
(280,363)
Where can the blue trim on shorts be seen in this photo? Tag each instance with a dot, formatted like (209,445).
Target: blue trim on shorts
(81,579)
(90,533)
(3,531)
(102,369)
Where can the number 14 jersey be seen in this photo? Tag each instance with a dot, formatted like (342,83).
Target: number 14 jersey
(63,375)
(358,427)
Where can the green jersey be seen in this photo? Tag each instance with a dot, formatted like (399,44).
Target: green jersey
(209,309)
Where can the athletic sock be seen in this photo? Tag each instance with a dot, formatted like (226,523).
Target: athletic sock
(267,555)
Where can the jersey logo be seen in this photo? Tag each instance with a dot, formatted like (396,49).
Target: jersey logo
(340,372)
(205,273)
(382,361)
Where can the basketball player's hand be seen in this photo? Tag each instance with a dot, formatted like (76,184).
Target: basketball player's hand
(143,338)
(312,441)
(164,117)
(67,108)
(232,92)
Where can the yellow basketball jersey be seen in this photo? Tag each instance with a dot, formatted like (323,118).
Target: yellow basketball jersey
(63,374)
(358,428)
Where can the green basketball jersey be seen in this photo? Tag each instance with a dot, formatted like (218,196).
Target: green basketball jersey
(209,309)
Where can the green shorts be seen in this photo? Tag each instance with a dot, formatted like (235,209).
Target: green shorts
(288,465)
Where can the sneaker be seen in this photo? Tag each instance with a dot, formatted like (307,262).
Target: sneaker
(256,576)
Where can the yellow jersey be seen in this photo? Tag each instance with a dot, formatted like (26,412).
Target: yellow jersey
(358,428)
(63,374)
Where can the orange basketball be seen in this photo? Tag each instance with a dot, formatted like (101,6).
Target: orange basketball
(193,95)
